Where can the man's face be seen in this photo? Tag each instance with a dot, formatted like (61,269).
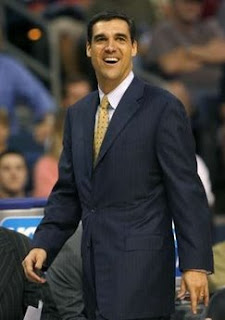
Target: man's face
(188,11)
(13,174)
(111,51)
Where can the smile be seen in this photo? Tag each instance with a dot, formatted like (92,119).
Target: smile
(111,60)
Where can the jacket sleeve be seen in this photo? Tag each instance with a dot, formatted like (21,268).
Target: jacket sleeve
(186,197)
(63,211)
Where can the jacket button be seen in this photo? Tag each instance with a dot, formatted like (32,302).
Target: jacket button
(93,210)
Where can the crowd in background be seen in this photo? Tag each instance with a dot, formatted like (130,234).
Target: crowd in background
(181,48)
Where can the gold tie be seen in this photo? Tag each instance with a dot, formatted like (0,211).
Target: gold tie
(102,125)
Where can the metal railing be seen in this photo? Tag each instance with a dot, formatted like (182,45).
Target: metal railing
(50,74)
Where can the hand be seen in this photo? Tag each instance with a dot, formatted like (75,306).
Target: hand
(179,61)
(33,263)
(196,283)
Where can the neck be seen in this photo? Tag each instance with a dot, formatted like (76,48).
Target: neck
(107,89)
(108,85)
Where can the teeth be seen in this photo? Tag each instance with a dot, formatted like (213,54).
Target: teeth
(111,59)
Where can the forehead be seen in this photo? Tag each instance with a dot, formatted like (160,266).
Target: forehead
(12,159)
(113,26)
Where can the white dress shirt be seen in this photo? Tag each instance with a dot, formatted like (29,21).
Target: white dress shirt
(115,96)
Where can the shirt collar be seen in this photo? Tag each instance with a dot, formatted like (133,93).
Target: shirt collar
(115,96)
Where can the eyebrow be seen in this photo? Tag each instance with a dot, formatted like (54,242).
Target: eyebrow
(102,35)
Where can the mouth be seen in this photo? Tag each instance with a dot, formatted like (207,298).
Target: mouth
(111,61)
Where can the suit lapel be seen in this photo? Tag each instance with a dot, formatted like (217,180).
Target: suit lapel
(126,109)
(7,264)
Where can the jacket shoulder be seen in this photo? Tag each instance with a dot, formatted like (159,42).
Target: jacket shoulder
(160,94)
(84,102)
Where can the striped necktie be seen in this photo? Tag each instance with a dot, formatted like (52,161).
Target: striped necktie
(102,125)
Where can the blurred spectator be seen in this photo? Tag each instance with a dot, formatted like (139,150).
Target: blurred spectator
(16,292)
(65,20)
(45,171)
(4,130)
(19,86)
(13,174)
(34,144)
(74,89)
(65,33)
(188,49)
(65,279)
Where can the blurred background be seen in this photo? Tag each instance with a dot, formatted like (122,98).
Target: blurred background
(44,70)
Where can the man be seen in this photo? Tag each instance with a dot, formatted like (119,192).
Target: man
(16,292)
(13,174)
(128,192)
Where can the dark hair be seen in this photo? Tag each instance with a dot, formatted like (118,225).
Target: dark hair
(13,152)
(108,16)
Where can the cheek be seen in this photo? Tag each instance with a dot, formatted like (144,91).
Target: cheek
(96,63)
(22,173)
(6,178)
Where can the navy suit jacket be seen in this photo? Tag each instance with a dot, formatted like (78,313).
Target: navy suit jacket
(145,176)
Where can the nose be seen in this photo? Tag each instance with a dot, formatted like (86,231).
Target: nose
(110,46)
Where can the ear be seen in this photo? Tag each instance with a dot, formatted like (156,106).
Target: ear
(134,48)
(88,49)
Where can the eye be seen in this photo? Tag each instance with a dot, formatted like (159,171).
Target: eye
(100,39)
(121,39)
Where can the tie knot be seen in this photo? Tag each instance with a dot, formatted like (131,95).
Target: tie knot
(104,103)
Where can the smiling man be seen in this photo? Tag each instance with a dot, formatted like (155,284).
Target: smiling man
(127,169)
(110,50)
